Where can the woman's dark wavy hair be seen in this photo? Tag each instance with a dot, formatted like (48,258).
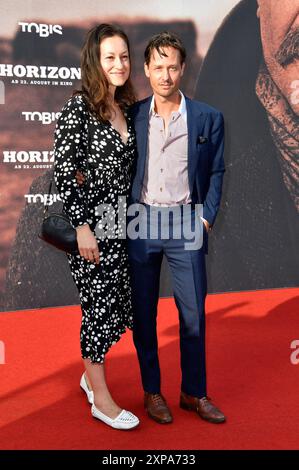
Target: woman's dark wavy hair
(94,84)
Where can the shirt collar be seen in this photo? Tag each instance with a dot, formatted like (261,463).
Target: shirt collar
(182,109)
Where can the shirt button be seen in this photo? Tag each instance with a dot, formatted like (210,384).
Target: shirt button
(161,170)
(161,189)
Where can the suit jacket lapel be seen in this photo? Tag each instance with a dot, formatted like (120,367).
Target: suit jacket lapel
(195,125)
(141,128)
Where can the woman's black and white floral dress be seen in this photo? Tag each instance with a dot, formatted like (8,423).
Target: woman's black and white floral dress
(104,289)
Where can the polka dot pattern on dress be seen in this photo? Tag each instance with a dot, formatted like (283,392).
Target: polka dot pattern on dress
(104,289)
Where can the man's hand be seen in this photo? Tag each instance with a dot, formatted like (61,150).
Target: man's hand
(80,178)
(207,225)
(87,244)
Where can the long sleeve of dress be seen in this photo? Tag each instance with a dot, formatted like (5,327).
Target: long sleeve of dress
(70,143)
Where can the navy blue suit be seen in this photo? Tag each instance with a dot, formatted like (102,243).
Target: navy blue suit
(205,175)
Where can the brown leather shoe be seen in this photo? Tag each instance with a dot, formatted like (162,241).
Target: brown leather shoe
(203,407)
(156,407)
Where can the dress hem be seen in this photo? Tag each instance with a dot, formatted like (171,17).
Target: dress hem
(94,359)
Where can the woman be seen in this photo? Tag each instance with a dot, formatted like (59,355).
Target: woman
(94,123)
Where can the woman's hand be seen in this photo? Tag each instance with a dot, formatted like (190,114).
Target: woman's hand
(87,244)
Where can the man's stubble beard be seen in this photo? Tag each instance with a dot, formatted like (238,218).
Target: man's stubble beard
(288,51)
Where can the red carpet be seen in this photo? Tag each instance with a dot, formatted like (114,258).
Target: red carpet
(250,376)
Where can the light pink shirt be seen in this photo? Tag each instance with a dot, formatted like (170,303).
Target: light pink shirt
(166,173)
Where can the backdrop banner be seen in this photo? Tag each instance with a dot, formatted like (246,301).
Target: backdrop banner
(235,62)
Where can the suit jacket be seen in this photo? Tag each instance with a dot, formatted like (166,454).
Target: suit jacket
(205,153)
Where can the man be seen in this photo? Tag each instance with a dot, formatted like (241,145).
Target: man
(251,73)
(180,163)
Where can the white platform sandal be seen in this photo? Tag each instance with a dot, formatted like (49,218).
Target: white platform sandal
(84,386)
(125,419)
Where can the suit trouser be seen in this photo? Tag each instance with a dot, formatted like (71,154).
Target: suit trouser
(189,284)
